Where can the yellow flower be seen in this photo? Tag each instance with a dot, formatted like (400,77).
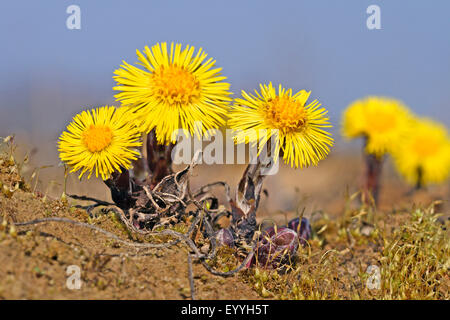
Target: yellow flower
(425,157)
(383,121)
(100,139)
(297,127)
(176,90)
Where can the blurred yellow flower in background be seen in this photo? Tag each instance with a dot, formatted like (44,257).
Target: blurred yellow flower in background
(425,157)
(384,122)
(298,127)
(100,140)
(176,90)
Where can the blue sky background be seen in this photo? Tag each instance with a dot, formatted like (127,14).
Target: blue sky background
(48,73)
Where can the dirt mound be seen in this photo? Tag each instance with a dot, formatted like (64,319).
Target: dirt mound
(409,246)
(35,258)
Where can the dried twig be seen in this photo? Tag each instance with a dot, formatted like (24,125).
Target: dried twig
(85,198)
(106,233)
(207,187)
(232,272)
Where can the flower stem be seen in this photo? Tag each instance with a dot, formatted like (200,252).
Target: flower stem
(159,159)
(121,187)
(419,182)
(374,167)
(244,209)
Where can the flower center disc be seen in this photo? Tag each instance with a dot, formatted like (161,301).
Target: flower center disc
(175,85)
(286,114)
(425,147)
(381,121)
(97,137)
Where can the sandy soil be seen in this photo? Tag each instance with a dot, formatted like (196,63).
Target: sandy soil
(35,258)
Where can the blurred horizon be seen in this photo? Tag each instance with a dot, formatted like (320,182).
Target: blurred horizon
(48,73)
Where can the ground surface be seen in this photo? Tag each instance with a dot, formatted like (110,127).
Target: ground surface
(409,245)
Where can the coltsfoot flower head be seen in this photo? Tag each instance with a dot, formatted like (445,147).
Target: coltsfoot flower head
(384,122)
(297,127)
(100,140)
(173,91)
(424,157)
